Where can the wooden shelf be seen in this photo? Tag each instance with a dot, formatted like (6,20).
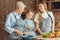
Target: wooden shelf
(52,1)
(55,10)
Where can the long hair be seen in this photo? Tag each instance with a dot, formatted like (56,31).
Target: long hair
(39,12)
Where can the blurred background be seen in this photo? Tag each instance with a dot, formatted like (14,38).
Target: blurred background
(7,6)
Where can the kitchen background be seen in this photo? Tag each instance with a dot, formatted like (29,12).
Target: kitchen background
(7,6)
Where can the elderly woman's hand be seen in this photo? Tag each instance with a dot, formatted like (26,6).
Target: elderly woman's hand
(18,33)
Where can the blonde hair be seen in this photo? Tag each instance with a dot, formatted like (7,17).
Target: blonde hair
(40,13)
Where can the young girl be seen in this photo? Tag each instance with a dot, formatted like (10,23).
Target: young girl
(44,19)
(29,26)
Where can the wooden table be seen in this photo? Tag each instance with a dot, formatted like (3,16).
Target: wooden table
(41,38)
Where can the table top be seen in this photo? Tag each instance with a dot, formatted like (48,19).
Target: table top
(40,37)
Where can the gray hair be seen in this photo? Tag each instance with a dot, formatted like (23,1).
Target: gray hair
(21,4)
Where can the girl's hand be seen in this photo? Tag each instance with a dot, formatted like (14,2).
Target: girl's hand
(27,28)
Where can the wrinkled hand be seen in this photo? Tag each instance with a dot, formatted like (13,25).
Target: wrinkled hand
(18,32)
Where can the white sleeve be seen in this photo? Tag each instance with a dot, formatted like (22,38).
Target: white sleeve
(36,18)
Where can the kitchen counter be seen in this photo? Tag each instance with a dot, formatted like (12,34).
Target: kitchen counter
(41,38)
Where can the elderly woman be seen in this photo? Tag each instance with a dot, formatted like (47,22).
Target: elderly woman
(13,20)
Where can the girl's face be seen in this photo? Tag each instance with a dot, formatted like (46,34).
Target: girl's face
(41,7)
(29,15)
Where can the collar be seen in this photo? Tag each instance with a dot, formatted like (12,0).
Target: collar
(16,13)
(45,15)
